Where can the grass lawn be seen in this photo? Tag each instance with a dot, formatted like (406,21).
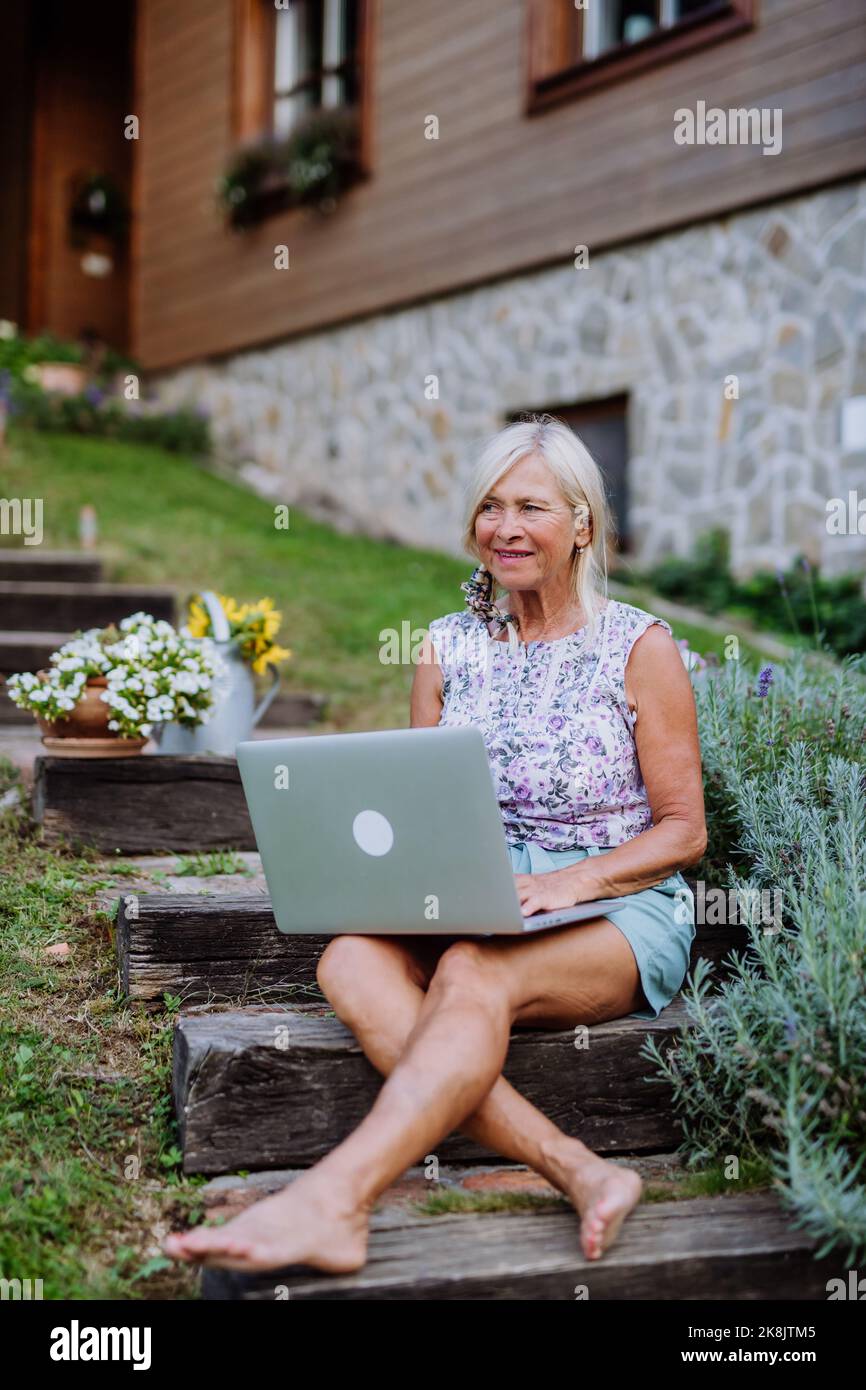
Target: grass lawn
(165,520)
(88,1154)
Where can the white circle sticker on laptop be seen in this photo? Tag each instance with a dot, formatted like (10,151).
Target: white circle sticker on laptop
(373,833)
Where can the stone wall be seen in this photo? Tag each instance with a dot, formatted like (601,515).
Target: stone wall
(340,423)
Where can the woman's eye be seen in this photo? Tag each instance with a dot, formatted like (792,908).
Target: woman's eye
(531,507)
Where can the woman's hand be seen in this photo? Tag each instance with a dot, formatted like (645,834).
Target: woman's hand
(546,892)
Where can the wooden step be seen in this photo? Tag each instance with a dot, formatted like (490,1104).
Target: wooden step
(31,562)
(142,805)
(738,1247)
(54,605)
(223,947)
(27,651)
(262,1087)
(232,1193)
(24,651)
(294,709)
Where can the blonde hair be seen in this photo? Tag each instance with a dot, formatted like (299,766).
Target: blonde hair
(580,481)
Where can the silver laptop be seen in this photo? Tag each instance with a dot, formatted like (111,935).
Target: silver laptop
(393,832)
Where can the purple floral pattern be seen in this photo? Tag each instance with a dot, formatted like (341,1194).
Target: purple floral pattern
(556,725)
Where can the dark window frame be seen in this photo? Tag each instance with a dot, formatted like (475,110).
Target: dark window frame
(546,87)
(254,88)
(313,76)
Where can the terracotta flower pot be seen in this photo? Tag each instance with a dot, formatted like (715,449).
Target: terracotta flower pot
(67,378)
(85,733)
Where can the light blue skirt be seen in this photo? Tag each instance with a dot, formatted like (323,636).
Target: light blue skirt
(658,923)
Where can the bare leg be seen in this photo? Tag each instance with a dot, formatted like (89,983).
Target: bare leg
(505,1121)
(444,1051)
(452,1057)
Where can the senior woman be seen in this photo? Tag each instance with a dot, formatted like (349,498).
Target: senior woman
(589,722)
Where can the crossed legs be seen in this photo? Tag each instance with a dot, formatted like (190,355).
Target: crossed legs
(435,1019)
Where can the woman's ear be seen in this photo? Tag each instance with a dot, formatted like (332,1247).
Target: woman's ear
(582,530)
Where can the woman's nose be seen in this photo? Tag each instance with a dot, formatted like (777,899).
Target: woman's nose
(509,525)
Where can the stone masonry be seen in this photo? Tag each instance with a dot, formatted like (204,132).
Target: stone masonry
(346,423)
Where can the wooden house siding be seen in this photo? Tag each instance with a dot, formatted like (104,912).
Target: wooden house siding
(499,192)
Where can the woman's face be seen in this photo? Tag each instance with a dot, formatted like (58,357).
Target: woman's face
(525,527)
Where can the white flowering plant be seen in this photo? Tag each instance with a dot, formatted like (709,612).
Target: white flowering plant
(154,675)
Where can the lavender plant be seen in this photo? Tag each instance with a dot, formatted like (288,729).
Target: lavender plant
(774,1063)
(748,721)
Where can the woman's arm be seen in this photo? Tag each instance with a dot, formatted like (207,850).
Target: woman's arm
(657,685)
(425,704)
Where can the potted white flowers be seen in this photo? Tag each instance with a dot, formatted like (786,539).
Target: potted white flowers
(105,690)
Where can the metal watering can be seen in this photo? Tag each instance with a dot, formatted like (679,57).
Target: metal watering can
(235,713)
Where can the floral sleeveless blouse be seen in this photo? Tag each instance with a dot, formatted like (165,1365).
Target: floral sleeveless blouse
(556,724)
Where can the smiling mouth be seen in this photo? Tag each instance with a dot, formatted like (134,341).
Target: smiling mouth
(513,554)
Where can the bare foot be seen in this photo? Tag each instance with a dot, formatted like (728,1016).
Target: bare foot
(602,1192)
(310,1222)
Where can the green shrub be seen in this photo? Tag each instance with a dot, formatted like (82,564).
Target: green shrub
(829,612)
(704,579)
(112,362)
(18,353)
(823,613)
(775,1064)
(91,412)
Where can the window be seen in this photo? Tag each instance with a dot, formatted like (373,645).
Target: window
(602,426)
(315,47)
(297,56)
(574,47)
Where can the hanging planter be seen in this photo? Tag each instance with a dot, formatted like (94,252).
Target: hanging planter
(97,223)
(312,166)
(98,212)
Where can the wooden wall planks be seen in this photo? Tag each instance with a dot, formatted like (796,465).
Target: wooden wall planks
(500,192)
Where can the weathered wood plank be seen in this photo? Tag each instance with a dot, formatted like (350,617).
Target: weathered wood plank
(231,1193)
(210,949)
(28,651)
(36,605)
(738,1247)
(28,562)
(294,709)
(9,713)
(142,805)
(278,1088)
(228,947)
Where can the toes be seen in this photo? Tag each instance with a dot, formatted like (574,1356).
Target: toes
(226,1259)
(600,1227)
(205,1243)
(175,1247)
(186,1243)
(591,1240)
